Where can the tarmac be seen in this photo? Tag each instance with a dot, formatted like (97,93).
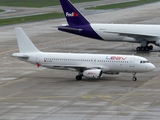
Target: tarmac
(31,93)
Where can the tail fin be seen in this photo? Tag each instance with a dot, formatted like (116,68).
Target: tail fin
(24,43)
(73,16)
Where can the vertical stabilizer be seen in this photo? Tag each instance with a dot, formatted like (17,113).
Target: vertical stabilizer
(73,16)
(24,43)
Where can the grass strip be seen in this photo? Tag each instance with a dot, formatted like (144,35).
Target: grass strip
(33,18)
(122,5)
(36,3)
(1,10)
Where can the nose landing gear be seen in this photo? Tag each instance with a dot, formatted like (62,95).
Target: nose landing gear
(134,77)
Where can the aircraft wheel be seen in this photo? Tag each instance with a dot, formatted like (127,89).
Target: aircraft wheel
(146,48)
(142,48)
(134,79)
(150,47)
(78,77)
(138,48)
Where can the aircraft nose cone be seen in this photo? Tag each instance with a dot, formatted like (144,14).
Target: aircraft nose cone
(152,67)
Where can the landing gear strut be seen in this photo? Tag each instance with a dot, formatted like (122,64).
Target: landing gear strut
(134,77)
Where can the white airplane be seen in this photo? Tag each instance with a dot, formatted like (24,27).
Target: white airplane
(78,24)
(87,65)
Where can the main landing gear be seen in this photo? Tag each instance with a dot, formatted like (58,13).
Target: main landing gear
(144,46)
(134,77)
(79,77)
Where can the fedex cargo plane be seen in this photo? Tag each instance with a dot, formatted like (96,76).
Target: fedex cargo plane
(86,65)
(78,24)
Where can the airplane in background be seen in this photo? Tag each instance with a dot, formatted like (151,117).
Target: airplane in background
(87,65)
(78,24)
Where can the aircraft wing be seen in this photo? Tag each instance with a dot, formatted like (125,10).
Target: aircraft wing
(75,67)
(134,35)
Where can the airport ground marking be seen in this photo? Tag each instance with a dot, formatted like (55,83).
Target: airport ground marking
(138,109)
(106,97)
(34,97)
(87,96)
(135,108)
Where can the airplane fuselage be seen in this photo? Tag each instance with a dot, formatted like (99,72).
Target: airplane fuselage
(117,32)
(107,63)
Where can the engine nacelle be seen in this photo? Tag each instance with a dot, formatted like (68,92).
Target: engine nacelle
(93,73)
(157,43)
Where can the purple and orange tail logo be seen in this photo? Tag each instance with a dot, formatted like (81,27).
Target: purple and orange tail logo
(73,14)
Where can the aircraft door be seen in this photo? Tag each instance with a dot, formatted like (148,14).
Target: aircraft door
(132,62)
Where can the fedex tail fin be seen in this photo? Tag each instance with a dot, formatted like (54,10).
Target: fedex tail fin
(24,43)
(73,16)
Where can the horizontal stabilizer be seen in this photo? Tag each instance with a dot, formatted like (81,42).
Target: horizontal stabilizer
(20,56)
(68,29)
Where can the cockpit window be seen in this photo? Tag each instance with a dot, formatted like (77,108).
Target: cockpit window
(144,61)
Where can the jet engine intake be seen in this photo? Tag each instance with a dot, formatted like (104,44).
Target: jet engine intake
(93,73)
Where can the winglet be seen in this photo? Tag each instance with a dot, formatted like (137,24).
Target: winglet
(73,16)
(24,43)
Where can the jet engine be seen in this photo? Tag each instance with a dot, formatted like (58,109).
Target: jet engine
(157,43)
(93,73)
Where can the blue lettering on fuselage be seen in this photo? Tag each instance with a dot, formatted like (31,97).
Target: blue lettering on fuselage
(107,58)
(116,58)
